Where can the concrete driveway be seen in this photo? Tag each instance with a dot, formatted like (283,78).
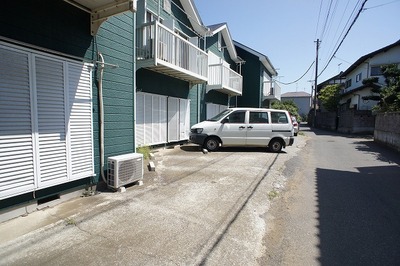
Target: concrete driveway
(194,209)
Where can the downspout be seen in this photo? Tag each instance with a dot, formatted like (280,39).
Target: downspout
(134,80)
(100,70)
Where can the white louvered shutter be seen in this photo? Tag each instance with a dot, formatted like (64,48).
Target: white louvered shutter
(45,121)
(139,119)
(79,119)
(173,119)
(51,135)
(16,144)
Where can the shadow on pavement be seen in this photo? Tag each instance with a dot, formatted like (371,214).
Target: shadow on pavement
(195,148)
(359,216)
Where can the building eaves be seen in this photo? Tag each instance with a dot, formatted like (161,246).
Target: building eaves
(370,55)
(263,58)
(223,28)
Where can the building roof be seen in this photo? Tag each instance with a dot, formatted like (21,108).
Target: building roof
(295,94)
(263,58)
(365,57)
(223,28)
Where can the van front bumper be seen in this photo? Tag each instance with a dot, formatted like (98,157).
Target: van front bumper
(197,138)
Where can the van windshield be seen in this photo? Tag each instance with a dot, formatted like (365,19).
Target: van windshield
(220,115)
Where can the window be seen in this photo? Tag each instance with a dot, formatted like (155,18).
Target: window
(358,77)
(348,83)
(236,117)
(258,117)
(279,118)
(376,71)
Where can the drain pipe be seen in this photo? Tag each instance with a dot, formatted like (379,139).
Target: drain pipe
(101,112)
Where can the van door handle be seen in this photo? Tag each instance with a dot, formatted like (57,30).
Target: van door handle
(241,127)
(250,127)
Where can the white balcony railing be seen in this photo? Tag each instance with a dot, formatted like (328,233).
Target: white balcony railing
(271,91)
(162,50)
(223,78)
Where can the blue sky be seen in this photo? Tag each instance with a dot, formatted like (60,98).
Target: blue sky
(286,31)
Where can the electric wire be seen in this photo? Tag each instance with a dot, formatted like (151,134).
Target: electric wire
(344,37)
(289,83)
(381,5)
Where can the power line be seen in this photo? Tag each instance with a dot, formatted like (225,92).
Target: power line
(289,83)
(344,37)
(381,5)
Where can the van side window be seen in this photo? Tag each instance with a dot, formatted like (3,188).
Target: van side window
(258,118)
(236,117)
(279,118)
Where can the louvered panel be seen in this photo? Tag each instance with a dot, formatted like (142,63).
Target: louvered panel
(139,119)
(16,144)
(156,119)
(51,120)
(184,119)
(80,120)
(163,119)
(173,119)
(148,119)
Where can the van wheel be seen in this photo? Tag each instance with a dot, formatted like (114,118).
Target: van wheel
(275,145)
(211,144)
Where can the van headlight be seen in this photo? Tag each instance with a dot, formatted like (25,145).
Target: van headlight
(197,130)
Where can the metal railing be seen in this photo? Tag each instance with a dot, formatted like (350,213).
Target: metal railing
(155,41)
(223,76)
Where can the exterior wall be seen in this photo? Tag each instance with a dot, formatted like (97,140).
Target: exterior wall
(387,130)
(63,28)
(355,99)
(303,103)
(326,120)
(252,73)
(353,121)
(389,57)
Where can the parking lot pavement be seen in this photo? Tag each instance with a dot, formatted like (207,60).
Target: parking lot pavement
(195,208)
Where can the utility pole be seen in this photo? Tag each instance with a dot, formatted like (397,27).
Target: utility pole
(315,84)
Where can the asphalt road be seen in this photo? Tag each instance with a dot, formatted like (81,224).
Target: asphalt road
(195,209)
(341,205)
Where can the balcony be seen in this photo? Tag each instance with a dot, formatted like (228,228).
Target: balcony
(271,93)
(163,51)
(224,79)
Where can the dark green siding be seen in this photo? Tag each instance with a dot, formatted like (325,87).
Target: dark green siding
(115,41)
(252,80)
(64,28)
(153,82)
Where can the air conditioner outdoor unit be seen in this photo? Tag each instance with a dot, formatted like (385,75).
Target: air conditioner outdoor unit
(124,169)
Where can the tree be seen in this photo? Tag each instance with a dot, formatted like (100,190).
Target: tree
(389,95)
(289,106)
(330,97)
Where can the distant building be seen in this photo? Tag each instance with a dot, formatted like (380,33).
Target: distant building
(301,99)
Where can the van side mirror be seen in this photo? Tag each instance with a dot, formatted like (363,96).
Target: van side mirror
(225,120)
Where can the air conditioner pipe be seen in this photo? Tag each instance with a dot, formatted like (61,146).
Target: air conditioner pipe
(100,70)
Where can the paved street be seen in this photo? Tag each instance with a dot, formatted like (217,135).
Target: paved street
(196,208)
(341,205)
(328,200)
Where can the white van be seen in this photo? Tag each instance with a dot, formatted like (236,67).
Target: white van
(245,127)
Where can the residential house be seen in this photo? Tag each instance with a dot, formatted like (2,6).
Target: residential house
(224,82)
(367,66)
(355,110)
(259,87)
(301,99)
(172,65)
(58,60)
